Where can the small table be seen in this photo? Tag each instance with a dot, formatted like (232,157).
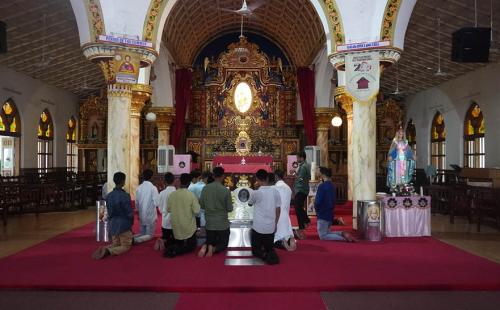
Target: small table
(407,216)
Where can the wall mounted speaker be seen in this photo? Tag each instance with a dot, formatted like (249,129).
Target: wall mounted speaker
(471,45)
(3,37)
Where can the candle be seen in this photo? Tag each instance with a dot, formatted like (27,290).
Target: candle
(313,171)
(421,190)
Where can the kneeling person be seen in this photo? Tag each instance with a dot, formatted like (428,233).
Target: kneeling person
(183,206)
(216,201)
(121,218)
(267,204)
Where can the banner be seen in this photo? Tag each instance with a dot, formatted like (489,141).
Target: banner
(362,72)
(127,67)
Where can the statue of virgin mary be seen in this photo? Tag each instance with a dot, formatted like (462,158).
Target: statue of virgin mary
(401,161)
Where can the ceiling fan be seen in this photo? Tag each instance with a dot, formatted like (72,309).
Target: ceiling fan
(397,92)
(86,86)
(246,10)
(439,72)
(44,61)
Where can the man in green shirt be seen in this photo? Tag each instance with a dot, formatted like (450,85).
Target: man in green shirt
(183,207)
(216,200)
(301,187)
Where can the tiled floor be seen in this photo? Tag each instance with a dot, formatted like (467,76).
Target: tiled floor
(27,230)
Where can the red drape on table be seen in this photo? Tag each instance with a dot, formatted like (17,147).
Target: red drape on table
(305,81)
(182,99)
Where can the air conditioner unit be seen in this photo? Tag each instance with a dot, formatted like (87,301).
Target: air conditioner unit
(313,154)
(166,158)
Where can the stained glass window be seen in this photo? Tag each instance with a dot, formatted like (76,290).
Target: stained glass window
(45,129)
(9,119)
(474,129)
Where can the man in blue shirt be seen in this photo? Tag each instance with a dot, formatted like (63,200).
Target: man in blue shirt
(121,217)
(324,205)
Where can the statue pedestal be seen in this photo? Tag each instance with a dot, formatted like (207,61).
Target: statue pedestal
(241,219)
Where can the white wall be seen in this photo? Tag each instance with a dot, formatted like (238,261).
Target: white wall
(32,97)
(452,99)
(163,86)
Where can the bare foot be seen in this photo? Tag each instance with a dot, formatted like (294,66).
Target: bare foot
(292,244)
(210,251)
(301,235)
(159,244)
(202,251)
(349,237)
(100,253)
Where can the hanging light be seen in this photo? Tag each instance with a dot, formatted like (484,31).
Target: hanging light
(151,117)
(336,121)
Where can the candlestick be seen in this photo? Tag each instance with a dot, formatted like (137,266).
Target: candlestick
(421,190)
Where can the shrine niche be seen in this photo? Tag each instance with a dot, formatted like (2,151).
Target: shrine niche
(243,103)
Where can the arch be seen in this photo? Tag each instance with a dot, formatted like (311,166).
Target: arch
(10,122)
(438,130)
(45,126)
(327,11)
(71,131)
(474,142)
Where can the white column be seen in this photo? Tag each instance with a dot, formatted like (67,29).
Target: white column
(119,101)
(364,153)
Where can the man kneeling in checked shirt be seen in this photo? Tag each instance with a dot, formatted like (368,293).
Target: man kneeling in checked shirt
(266,211)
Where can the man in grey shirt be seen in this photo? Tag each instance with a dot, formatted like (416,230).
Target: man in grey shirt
(216,200)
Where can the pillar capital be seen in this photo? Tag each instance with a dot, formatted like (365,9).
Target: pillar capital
(345,100)
(324,117)
(120,90)
(140,95)
(164,116)
(98,52)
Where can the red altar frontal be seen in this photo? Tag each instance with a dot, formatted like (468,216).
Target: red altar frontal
(244,164)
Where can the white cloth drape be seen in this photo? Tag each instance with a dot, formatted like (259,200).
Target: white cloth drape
(407,216)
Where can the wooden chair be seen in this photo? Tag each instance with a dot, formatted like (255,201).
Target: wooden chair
(487,205)
(460,203)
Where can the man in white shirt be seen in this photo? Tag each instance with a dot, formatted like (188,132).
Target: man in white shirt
(146,197)
(266,202)
(283,238)
(167,234)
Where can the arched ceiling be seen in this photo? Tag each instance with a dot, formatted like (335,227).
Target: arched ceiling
(292,24)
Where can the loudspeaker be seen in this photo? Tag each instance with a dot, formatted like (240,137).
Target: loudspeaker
(471,45)
(3,37)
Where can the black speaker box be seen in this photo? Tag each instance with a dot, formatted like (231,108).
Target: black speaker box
(471,45)
(3,37)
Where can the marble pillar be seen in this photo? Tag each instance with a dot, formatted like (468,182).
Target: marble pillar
(364,152)
(323,123)
(119,102)
(346,103)
(164,118)
(140,94)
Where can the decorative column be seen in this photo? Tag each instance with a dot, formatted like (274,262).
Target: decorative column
(165,116)
(346,102)
(140,95)
(323,123)
(119,102)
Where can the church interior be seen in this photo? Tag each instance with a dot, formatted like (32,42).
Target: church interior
(399,99)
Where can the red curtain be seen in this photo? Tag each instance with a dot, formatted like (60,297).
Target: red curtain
(182,99)
(305,81)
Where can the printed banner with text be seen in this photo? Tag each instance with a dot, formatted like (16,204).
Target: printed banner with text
(362,75)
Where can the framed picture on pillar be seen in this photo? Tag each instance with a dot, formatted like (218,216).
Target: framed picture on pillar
(208,165)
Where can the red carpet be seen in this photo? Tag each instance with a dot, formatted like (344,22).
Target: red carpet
(394,264)
(243,301)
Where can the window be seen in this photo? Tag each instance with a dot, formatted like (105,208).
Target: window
(411,135)
(45,139)
(10,131)
(438,145)
(71,148)
(474,151)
